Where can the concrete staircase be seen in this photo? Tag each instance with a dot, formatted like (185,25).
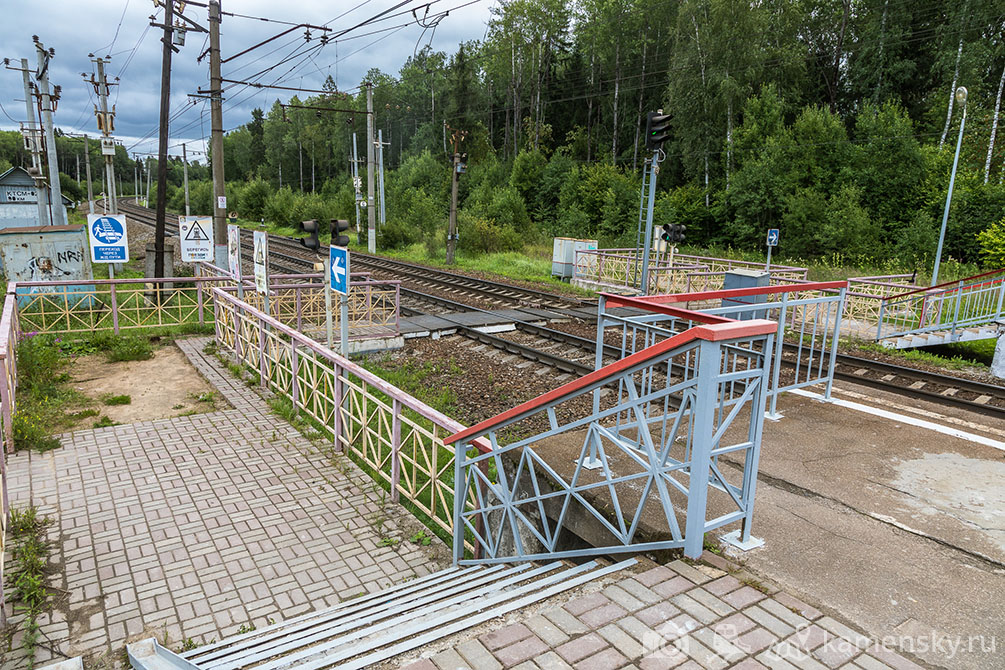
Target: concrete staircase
(928,339)
(362,632)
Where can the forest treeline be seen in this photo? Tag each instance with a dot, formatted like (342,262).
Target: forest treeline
(833,120)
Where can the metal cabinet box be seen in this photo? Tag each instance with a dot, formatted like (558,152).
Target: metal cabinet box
(563,257)
(744,278)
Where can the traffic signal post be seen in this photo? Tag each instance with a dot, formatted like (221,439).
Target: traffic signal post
(657,132)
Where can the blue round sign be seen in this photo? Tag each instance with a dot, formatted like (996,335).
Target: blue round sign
(107,230)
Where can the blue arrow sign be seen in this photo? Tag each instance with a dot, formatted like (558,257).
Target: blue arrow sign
(772,237)
(338,275)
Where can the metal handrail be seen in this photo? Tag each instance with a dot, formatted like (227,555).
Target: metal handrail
(955,282)
(738,292)
(723,329)
(370,378)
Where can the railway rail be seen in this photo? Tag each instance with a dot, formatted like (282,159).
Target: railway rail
(573,354)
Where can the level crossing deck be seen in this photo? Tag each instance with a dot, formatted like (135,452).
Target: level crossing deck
(434,325)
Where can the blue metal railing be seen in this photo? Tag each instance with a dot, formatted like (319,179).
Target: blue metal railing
(950,307)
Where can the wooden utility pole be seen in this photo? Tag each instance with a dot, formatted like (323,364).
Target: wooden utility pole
(371,215)
(456,137)
(162,144)
(216,143)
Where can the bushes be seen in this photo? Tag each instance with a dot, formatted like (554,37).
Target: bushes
(480,235)
(992,243)
(253,199)
(279,207)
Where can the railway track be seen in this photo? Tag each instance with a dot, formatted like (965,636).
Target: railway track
(573,354)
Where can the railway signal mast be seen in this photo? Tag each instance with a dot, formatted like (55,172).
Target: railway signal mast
(657,132)
(106,124)
(457,136)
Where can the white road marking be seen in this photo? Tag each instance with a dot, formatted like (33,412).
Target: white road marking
(922,412)
(903,418)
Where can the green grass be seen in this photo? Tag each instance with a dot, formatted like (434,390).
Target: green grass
(948,362)
(129,348)
(414,379)
(44,393)
(105,422)
(117,400)
(979,352)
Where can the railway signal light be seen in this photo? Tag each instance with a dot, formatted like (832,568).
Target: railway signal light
(673,232)
(339,226)
(311,241)
(657,130)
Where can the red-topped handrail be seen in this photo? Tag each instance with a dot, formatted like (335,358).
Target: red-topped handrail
(954,283)
(614,300)
(712,332)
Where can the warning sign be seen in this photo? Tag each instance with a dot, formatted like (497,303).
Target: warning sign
(196,236)
(262,262)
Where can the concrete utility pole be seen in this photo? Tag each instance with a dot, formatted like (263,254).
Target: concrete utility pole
(380,177)
(371,225)
(184,171)
(87,169)
(162,143)
(216,144)
(147,199)
(356,186)
(42,75)
(457,137)
(106,124)
(136,183)
(34,141)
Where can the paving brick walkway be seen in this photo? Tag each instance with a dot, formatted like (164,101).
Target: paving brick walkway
(197,526)
(672,616)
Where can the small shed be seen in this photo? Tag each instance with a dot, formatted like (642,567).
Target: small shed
(47,253)
(19,199)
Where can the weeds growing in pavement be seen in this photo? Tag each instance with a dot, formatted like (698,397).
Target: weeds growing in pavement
(28,578)
(421,538)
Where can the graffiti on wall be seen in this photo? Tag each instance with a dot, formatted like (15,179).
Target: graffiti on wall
(43,268)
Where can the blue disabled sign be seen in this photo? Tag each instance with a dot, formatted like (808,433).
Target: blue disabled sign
(109,238)
(338,273)
(772,237)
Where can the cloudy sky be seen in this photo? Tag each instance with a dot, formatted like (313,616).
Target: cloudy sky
(120,28)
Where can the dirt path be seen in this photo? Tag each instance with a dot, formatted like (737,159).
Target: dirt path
(164,386)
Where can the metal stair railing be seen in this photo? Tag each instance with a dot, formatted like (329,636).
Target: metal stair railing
(665,433)
(951,306)
(808,313)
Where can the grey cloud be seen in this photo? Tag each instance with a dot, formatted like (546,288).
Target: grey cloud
(74,30)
